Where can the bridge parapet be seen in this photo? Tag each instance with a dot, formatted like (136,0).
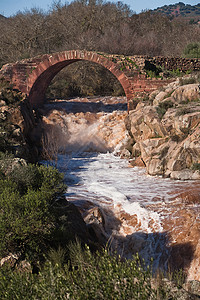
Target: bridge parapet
(142,63)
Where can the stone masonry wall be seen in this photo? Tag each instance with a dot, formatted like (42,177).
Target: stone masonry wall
(142,62)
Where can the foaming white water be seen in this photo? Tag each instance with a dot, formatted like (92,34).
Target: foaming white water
(106,179)
(109,182)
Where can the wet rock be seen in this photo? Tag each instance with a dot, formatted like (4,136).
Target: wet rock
(190,197)
(95,215)
(136,151)
(70,220)
(96,223)
(155,167)
(137,162)
(125,153)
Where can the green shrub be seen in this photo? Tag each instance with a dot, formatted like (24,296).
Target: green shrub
(99,276)
(196,166)
(192,50)
(190,80)
(176,73)
(163,107)
(26,216)
(24,221)
(26,177)
(57,256)
(89,276)
(152,74)
(47,179)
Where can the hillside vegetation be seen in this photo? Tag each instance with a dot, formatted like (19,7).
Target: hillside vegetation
(93,25)
(96,25)
(181,9)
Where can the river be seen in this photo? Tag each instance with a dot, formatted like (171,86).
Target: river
(157,217)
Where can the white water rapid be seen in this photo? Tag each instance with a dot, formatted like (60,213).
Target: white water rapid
(136,212)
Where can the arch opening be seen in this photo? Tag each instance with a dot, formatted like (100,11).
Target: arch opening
(41,77)
(84,79)
(38,90)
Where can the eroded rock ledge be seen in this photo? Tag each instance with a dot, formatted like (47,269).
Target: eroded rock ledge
(165,132)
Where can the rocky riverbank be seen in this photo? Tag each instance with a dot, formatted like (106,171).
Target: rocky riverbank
(17,124)
(165,132)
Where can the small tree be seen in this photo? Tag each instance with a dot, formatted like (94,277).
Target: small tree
(192,50)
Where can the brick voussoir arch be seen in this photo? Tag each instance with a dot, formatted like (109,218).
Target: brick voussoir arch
(40,76)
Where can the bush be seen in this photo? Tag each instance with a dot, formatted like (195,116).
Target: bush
(190,80)
(192,50)
(26,215)
(163,107)
(196,167)
(46,179)
(99,276)
(90,276)
(26,177)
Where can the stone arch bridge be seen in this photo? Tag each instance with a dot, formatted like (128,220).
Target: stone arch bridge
(33,76)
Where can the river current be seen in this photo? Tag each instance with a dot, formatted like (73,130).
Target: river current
(139,213)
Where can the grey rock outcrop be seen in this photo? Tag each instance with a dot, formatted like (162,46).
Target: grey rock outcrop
(167,133)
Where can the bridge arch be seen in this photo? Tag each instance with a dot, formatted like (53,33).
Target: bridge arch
(41,75)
